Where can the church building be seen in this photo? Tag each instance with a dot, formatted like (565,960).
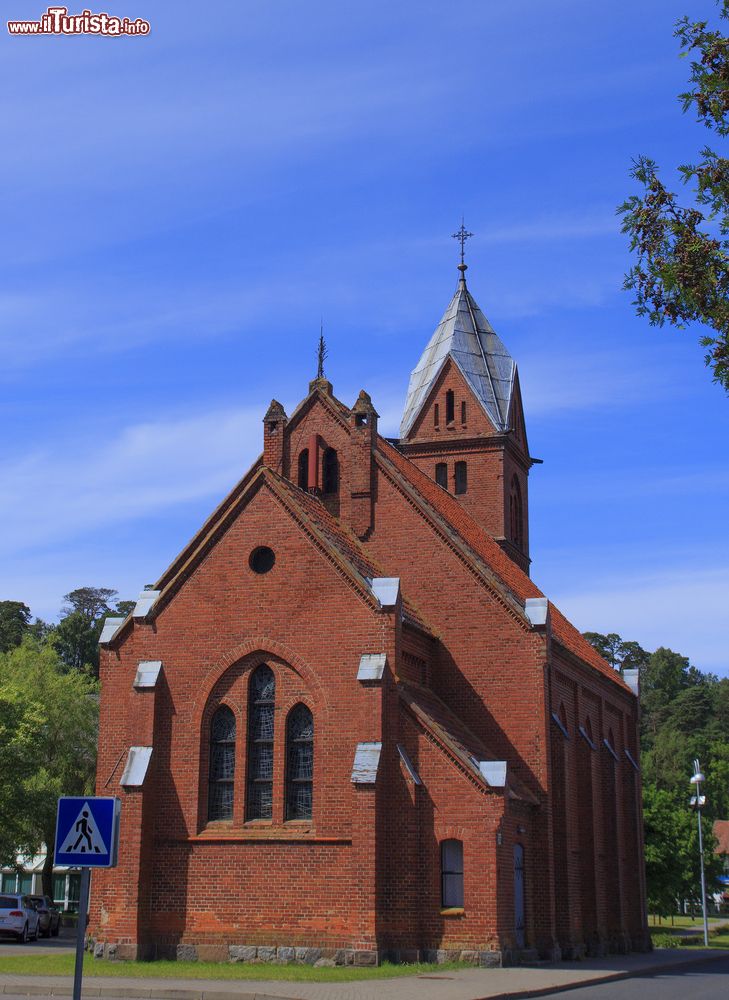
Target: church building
(345,724)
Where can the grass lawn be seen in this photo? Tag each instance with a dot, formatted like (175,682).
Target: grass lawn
(62,965)
(682,921)
(662,938)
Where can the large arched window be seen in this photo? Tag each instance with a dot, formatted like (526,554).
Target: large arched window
(304,469)
(516,514)
(299,763)
(222,764)
(451,873)
(330,471)
(261,698)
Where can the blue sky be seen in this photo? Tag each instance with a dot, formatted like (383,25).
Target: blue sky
(180,210)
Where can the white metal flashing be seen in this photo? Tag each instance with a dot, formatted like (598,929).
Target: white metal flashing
(366,763)
(610,749)
(135,770)
(632,679)
(147,673)
(584,735)
(560,725)
(632,759)
(111,627)
(494,771)
(386,589)
(145,602)
(537,609)
(371,666)
(408,764)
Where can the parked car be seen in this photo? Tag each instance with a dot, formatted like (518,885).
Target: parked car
(18,917)
(49,915)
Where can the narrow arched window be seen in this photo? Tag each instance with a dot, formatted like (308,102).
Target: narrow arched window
(461,477)
(441,475)
(450,407)
(304,469)
(222,764)
(463,412)
(436,415)
(299,763)
(331,471)
(516,513)
(451,873)
(261,698)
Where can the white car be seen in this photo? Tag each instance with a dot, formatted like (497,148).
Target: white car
(18,917)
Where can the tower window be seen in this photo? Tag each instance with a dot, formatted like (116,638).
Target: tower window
(331,471)
(450,407)
(222,764)
(463,412)
(451,873)
(436,415)
(304,469)
(262,694)
(516,514)
(461,477)
(299,763)
(441,475)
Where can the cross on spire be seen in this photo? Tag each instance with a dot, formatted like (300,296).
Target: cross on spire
(462,235)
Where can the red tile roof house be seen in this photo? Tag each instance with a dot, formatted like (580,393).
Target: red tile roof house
(346,725)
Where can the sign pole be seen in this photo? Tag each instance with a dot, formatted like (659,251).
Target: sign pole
(83,907)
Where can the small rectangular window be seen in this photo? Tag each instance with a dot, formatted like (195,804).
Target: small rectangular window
(436,415)
(450,407)
(441,475)
(463,412)
(461,477)
(451,866)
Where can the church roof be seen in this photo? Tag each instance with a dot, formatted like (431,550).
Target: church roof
(483,552)
(466,336)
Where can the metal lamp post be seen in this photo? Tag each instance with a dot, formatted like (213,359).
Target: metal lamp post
(698,801)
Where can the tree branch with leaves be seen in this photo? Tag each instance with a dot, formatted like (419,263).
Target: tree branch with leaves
(681,274)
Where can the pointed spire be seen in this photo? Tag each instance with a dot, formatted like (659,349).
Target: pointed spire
(466,337)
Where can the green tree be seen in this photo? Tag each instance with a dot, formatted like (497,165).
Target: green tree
(76,636)
(14,623)
(621,655)
(54,713)
(681,272)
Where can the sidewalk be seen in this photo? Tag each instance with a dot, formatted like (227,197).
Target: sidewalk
(470,984)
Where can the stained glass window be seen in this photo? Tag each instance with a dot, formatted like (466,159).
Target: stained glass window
(299,763)
(262,695)
(222,764)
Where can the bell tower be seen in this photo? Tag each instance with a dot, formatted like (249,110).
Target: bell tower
(463,423)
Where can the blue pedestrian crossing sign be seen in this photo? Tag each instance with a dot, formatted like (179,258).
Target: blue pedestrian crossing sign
(87,831)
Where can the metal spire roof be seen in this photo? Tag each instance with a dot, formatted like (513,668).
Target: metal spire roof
(465,335)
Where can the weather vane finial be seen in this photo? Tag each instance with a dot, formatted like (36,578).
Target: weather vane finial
(462,235)
(321,353)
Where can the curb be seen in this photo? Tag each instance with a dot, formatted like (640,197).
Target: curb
(608,977)
(159,993)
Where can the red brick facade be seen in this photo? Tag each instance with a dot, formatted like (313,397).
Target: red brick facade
(468,681)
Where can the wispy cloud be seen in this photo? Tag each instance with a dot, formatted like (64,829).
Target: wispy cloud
(55,494)
(682,607)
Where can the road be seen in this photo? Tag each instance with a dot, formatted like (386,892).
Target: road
(703,981)
(65,941)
